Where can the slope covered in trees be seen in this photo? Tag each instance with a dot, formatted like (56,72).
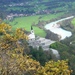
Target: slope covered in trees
(30,7)
(13,61)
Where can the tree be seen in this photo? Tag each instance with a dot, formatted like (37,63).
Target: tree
(40,55)
(4,28)
(55,68)
(12,59)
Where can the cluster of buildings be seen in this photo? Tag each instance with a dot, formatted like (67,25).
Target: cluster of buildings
(11,16)
(36,41)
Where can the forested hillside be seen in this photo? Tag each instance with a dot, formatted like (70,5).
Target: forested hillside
(30,7)
(15,60)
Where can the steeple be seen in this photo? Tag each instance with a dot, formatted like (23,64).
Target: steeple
(31,28)
(32,31)
(32,35)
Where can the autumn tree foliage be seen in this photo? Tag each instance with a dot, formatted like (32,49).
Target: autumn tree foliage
(13,61)
(55,68)
(17,64)
(4,28)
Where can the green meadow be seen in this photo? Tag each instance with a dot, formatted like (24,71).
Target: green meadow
(47,17)
(26,22)
(73,21)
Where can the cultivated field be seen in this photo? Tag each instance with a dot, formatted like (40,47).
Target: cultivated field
(26,22)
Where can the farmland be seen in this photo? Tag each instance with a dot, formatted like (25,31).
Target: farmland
(26,22)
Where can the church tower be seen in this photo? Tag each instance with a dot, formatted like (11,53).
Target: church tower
(32,35)
(32,31)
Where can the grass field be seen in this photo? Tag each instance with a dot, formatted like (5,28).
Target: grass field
(51,16)
(73,21)
(26,22)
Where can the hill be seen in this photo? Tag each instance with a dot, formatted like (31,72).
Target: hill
(37,7)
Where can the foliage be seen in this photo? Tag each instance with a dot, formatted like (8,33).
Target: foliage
(73,21)
(51,35)
(10,40)
(4,28)
(59,46)
(55,68)
(40,55)
(14,62)
(70,54)
(67,51)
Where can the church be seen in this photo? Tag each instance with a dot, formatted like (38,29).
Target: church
(37,41)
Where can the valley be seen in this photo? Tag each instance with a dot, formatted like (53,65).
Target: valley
(42,15)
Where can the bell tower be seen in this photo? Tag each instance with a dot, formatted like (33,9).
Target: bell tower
(32,31)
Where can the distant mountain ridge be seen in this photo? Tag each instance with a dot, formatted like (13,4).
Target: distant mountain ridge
(15,1)
(29,7)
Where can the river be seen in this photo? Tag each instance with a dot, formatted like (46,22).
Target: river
(55,28)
